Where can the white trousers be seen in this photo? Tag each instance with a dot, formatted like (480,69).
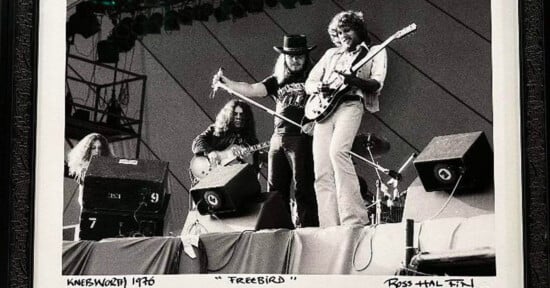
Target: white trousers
(336,183)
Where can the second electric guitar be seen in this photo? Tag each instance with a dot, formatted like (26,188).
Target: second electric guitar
(321,105)
(200,165)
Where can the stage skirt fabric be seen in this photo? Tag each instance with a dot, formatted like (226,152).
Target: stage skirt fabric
(265,251)
(372,250)
(127,256)
(369,250)
(75,256)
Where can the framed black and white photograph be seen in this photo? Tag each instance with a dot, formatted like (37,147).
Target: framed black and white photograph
(279,143)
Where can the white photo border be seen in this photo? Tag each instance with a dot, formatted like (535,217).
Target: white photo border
(50,137)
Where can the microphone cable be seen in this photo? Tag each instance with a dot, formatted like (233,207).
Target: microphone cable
(448,199)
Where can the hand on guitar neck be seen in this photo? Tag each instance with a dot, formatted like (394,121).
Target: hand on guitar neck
(201,165)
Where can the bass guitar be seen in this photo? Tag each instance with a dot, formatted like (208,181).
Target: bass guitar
(199,166)
(320,105)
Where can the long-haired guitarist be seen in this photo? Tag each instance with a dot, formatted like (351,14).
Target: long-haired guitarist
(234,125)
(336,183)
(78,160)
(290,154)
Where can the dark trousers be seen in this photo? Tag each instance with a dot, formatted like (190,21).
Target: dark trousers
(291,159)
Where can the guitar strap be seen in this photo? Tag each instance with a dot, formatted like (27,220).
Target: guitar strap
(360,55)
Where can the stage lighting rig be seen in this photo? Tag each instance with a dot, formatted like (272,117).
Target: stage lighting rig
(138,27)
(238,11)
(203,11)
(151,3)
(253,6)
(171,21)
(221,14)
(123,35)
(107,3)
(288,4)
(107,51)
(271,3)
(186,15)
(84,21)
(154,23)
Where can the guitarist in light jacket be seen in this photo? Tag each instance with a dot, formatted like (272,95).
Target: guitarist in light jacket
(336,184)
(290,155)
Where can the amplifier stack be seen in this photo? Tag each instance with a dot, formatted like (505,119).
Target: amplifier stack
(123,198)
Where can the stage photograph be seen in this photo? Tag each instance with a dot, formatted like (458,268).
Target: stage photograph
(289,137)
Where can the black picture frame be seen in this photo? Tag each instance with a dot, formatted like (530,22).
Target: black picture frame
(534,37)
(18,74)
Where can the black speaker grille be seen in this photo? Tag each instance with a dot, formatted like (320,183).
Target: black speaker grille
(447,157)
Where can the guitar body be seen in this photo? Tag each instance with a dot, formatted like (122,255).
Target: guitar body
(199,166)
(321,105)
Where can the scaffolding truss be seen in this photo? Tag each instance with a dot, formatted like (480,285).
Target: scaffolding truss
(95,102)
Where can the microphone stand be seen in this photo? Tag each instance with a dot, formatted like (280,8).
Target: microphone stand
(395,182)
(378,196)
(273,113)
(393,174)
(215,88)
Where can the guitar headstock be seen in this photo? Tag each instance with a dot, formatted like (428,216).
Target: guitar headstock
(403,32)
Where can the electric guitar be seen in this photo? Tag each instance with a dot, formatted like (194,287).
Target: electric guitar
(321,104)
(199,166)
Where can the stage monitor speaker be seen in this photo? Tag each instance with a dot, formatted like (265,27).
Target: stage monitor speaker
(96,225)
(445,158)
(226,189)
(122,185)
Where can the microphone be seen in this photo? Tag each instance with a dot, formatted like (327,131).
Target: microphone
(215,87)
(394,174)
(393,182)
(407,163)
(213,92)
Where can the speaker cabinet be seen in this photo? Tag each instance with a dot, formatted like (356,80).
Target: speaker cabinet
(446,158)
(122,185)
(96,225)
(225,190)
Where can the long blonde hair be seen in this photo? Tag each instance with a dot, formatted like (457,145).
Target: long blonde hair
(79,157)
(282,73)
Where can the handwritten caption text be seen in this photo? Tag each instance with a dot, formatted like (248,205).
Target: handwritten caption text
(122,282)
(255,279)
(429,283)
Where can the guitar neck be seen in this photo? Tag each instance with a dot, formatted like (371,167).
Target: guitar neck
(367,59)
(399,34)
(254,148)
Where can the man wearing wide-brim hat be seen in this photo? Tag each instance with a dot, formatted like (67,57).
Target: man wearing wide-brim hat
(290,156)
(294,45)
